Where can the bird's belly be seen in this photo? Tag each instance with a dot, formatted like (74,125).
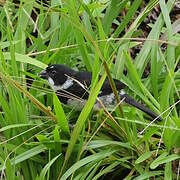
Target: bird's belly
(107,100)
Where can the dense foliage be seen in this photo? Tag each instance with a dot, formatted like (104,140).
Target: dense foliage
(118,39)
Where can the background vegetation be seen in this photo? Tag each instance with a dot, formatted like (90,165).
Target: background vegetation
(136,42)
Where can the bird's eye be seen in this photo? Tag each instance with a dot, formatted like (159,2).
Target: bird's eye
(53,72)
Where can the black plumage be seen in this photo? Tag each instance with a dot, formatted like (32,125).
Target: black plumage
(68,83)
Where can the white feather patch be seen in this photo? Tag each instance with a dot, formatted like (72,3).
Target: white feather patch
(76,104)
(51,82)
(122,92)
(68,83)
(107,99)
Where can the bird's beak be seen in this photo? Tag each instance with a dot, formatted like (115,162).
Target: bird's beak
(43,74)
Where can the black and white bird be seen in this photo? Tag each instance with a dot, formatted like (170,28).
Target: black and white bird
(70,85)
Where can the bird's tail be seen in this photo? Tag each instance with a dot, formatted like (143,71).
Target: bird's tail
(131,101)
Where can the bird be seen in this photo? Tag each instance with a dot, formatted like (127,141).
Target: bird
(71,88)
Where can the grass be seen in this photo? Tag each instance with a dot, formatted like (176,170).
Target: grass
(35,140)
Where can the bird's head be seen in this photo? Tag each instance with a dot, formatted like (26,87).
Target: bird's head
(56,74)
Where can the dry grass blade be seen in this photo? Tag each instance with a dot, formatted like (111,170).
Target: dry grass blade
(38,104)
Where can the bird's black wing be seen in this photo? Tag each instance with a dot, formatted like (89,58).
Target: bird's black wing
(84,79)
(81,82)
(106,88)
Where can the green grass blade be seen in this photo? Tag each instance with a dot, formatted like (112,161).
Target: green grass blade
(47,167)
(171,49)
(82,162)
(82,118)
(25,59)
(165,92)
(112,12)
(128,17)
(136,79)
(163,159)
(26,155)
(147,175)
(143,57)
(61,117)
(143,157)
(154,69)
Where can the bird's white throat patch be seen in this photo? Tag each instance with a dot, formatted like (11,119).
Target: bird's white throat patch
(68,83)
(51,82)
